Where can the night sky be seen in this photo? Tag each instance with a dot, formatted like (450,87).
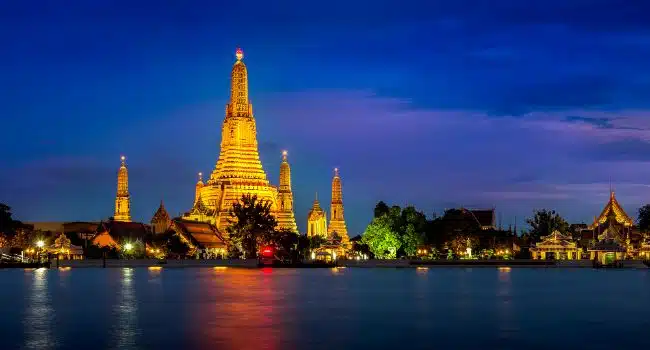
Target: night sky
(513,104)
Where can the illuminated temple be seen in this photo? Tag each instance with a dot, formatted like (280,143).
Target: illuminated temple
(122,197)
(616,225)
(239,170)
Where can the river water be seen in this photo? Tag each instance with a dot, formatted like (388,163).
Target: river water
(353,308)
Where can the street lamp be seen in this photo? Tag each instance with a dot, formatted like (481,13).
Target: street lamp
(128,246)
(40,244)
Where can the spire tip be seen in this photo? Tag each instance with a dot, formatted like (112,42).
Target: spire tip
(239,54)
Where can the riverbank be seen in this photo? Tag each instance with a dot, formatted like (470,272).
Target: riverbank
(252,263)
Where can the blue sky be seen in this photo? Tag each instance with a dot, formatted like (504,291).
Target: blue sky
(512,104)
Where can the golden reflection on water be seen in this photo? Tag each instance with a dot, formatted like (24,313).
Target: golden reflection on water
(126,310)
(39,313)
(239,309)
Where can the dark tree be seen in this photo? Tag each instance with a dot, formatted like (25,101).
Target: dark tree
(643,219)
(8,225)
(250,222)
(544,222)
(381,209)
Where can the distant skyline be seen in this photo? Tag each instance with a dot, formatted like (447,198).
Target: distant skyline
(507,104)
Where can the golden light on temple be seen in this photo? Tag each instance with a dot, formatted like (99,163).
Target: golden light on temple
(155,268)
(122,197)
(220,268)
(238,170)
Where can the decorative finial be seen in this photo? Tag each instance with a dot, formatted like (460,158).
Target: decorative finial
(336,171)
(123,158)
(200,176)
(316,195)
(284,155)
(239,54)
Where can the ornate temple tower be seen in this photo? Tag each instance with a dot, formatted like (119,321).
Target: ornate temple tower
(122,199)
(239,169)
(161,220)
(199,186)
(286,219)
(316,220)
(337,221)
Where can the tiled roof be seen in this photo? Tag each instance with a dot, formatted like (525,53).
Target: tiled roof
(613,207)
(485,217)
(202,234)
(121,229)
(161,214)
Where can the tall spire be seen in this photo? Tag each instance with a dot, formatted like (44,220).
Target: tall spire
(285,173)
(199,186)
(286,219)
(239,104)
(122,198)
(238,170)
(337,220)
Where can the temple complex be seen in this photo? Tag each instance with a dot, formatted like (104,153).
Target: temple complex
(122,199)
(316,220)
(238,170)
(337,221)
(619,226)
(556,246)
(285,217)
(161,220)
(610,247)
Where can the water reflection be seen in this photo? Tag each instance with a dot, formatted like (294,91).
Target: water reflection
(507,325)
(240,309)
(39,314)
(126,310)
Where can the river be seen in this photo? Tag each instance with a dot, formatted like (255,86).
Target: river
(353,308)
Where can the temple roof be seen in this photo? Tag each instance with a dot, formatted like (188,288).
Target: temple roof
(200,233)
(556,239)
(613,207)
(485,217)
(123,229)
(200,208)
(316,211)
(161,214)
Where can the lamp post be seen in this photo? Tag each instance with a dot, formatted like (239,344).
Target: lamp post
(40,244)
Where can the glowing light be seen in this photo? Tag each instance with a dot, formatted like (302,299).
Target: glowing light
(40,244)
(128,246)
(66,268)
(155,268)
(220,267)
(239,54)
(422,268)
(284,153)
(313,255)
(504,269)
(122,158)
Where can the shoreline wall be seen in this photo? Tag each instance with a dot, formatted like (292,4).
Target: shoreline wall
(398,263)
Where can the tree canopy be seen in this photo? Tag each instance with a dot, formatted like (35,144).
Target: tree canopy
(544,222)
(381,239)
(8,225)
(250,223)
(643,220)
